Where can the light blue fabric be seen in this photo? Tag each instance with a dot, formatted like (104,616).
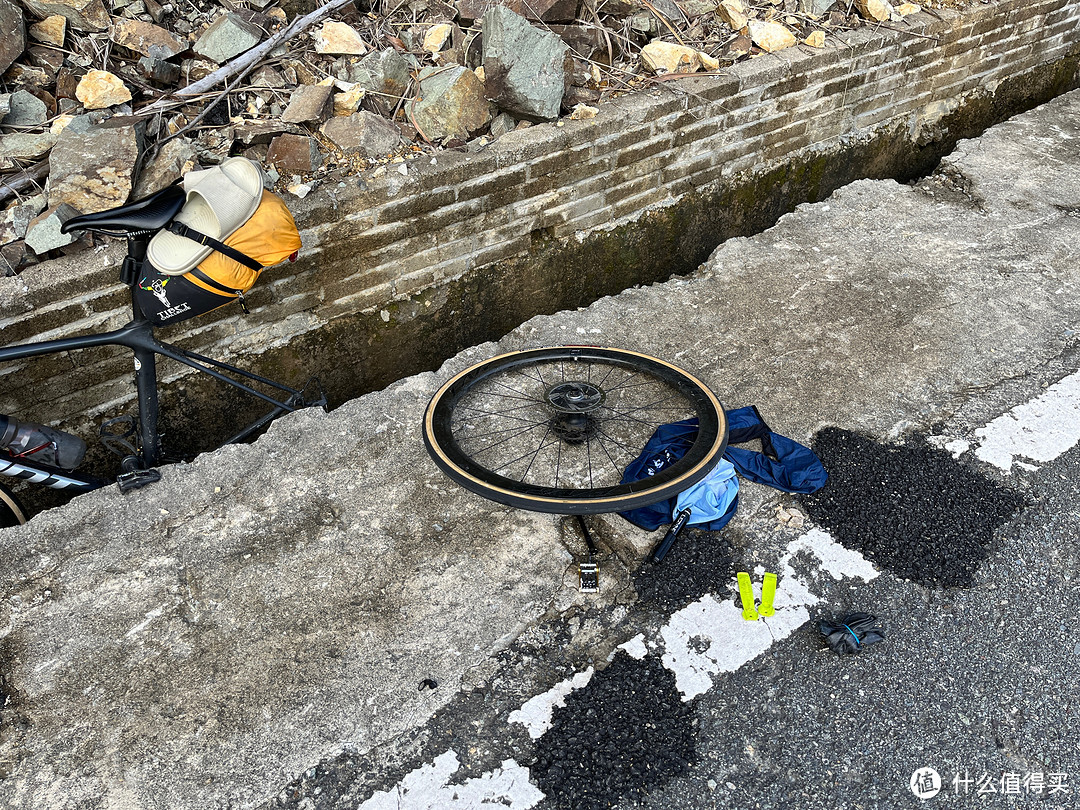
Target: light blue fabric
(711,498)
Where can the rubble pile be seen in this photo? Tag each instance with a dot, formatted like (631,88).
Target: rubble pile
(106,101)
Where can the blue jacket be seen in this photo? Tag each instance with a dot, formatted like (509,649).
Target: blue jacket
(782,463)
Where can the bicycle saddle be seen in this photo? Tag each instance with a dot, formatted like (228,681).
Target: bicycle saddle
(148,214)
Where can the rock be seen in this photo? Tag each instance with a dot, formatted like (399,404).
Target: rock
(191,70)
(25,110)
(697,8)
(82,15)
(49,59)
(876,10)
(294,154)
(736,48)
(525,70)
(263,132)
(17,219)
(50,31)
(27,76)
(816,39)
(99,89)
(309,103)
(708,62)
(503,123)
(43,232)
(14,257)
(385,77)
(229,36)
(90,167)
(338,38)
(13,30)
(348,102)
(579,95)
(364,133)
(436,37)
(733,13)
(816,8)
(908,8)
(582,112)
(18,148)
(451,102)
(771,36)
(540,10)
(176,158)
(666,57)
(147,39)
(158,70)
(266,76)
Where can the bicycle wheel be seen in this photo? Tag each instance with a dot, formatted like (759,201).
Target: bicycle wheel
(11,512)
(552,430)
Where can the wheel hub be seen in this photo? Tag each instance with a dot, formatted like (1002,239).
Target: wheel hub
(574,401)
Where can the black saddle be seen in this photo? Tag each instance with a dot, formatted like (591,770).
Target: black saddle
(148,214)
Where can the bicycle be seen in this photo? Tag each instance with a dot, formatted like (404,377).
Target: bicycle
(49,457)
(553,430)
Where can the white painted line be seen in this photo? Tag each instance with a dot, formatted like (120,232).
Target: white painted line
(635,647)
(426,788)
(1039,430)
(535,713)
(709,637)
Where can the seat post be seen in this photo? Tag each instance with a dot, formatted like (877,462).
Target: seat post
(145,359)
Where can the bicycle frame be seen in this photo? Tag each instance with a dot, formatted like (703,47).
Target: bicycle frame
(138,337)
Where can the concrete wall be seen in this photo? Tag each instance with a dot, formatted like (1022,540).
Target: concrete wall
(405,264)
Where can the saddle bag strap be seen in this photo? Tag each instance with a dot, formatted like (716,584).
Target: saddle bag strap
(180,229)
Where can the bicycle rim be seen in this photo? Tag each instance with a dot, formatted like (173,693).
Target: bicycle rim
(11,511)
(552,430)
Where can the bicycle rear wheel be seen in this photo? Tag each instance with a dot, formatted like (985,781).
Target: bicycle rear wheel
(11,511)
(552,430)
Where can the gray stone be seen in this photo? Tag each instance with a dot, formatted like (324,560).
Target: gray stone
(817,8)
(13,29)
(18,148)
(384,75)
(176,158)
(364,133)
(158,70)
(229,35)
(17,219)
(525,69)
(451,103)
(263,132)
(82,15)
(309,104)
(43,233)
(91,166)
(5,104)
(27,110)
(503,123)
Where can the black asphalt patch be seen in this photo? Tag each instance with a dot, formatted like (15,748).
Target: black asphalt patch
(626,733)
(910,508)
(700,562)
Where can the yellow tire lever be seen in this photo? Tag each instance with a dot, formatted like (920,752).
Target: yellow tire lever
(746,594)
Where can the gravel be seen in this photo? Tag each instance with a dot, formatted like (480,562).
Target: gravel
(911,508)
(620,737)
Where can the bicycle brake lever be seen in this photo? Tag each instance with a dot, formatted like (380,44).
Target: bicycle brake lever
(136,479)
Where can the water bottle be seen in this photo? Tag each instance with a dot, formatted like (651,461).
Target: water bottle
(42,444)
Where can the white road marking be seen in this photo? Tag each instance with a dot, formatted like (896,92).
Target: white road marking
(535,713)
(426,788)
(1039,430)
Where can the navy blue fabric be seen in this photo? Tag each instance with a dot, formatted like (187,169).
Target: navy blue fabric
(792,467)
(783,464)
